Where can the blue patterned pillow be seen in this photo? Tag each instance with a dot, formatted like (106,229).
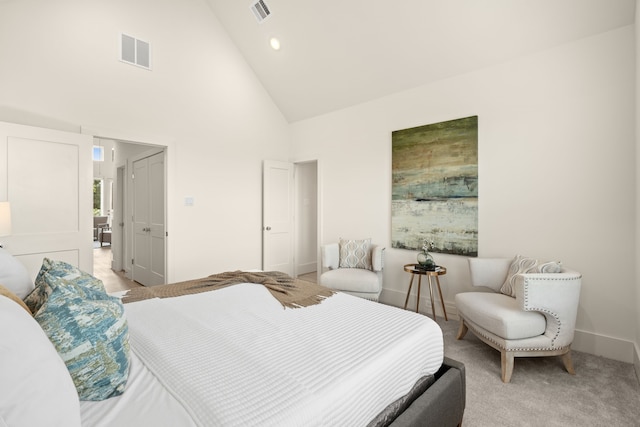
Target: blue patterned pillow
(55,269)
(89,330)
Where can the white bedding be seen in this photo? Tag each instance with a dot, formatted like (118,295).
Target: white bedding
(235,357)
(145,402)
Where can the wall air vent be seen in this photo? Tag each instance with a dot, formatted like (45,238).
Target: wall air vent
(260,10)
(135,52)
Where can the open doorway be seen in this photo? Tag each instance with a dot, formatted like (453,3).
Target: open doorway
(306,223)
(118,198)
(290,225)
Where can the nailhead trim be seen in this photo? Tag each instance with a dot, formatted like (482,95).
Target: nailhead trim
(542,310)
(476,331)
(554,315)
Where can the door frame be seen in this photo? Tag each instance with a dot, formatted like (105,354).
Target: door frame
(154,142)
(293,208)
(298,208)
(117,222)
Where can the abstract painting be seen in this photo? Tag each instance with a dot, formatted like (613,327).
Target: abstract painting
(434,193)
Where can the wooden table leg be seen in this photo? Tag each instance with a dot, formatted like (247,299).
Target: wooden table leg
(433,309)
(444,310)
(408,292)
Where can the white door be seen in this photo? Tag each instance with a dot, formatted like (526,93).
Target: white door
(277,217)
(148,221)
(49,185)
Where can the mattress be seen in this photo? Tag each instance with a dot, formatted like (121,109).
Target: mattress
(235,357)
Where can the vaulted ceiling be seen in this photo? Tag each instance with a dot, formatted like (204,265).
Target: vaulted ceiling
(338,53)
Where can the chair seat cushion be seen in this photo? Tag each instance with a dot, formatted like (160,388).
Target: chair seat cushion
(351,279)
(500,314)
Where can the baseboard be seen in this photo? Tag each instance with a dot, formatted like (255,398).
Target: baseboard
(306,268)
(397,299)
(605,346)
(636,361)
(588,342)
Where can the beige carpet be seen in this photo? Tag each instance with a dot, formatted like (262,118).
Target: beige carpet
(603,392)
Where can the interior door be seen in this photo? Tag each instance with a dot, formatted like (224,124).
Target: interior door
(277,217)
(157,219)
(48,183)
(149,220)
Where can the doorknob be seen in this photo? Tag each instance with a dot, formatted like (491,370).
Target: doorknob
(268,228)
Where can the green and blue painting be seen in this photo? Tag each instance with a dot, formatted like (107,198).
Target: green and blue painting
(435,187)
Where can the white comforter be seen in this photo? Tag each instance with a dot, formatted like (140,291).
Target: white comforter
(235,357)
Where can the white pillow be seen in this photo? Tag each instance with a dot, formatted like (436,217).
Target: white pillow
(14,275)
(35,386)
(355,253)
(523,265)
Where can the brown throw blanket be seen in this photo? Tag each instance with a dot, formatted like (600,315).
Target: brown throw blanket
(290,292)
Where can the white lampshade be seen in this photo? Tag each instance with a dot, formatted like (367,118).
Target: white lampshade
(5,218)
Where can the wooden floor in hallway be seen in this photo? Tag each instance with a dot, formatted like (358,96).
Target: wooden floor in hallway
(116,281)
(309,277)
(113,281)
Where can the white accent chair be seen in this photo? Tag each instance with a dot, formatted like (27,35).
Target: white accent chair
(360,282)
(539,321)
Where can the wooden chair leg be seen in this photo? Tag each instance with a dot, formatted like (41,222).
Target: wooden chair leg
(506,360)
(462,330)
(568,363)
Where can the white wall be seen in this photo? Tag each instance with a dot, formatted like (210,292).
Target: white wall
(556,173)
(60,69)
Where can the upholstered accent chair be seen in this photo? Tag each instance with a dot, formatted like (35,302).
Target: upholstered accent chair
(105,235)
(98,223)
(530,312)
(354,267)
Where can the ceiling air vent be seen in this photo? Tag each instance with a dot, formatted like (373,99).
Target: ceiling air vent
(260,10)
(135,52)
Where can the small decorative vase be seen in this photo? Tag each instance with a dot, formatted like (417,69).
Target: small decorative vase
(425,260)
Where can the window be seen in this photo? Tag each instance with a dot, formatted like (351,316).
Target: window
(98,153)
(97,197)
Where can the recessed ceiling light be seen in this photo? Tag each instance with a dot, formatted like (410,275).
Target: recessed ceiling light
(275,43)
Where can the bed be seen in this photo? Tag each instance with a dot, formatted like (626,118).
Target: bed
(232,356)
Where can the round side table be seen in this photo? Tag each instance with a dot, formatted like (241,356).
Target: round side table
(415,270)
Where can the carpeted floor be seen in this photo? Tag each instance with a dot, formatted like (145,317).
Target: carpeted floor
(603,392)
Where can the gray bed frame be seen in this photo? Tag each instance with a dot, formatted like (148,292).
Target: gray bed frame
(442,404)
